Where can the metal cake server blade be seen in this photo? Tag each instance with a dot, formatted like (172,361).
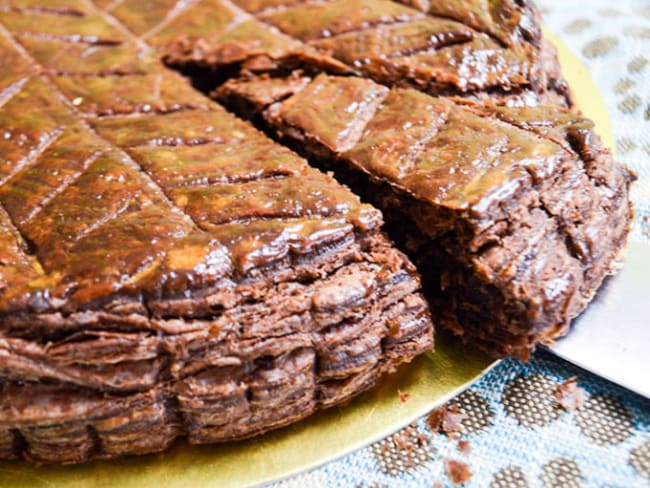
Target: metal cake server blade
(612,337)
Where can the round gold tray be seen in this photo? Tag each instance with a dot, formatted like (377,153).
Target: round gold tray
(430,380)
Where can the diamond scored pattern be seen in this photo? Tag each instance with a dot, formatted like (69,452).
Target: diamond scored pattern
(429,49)
(89,192)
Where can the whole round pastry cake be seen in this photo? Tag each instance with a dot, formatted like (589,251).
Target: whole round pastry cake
(193,197)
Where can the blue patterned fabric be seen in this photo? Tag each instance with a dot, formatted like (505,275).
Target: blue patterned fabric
(518,437)
(517,434)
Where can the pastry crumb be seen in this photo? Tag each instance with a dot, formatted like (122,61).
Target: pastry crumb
(448,420)
(569,395)
(434,420)
(403,396)
(464,446)
(402,442)
(457,471)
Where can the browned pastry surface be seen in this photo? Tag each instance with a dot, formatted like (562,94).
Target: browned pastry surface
(165,269)
(475,49)
(513,215)
(509,21)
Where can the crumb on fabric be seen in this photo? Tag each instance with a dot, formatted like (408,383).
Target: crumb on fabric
(434,420)
(457,471)
(403,396)
(447,419)
(409,440)
(569,395)
(402,441)
(464,446)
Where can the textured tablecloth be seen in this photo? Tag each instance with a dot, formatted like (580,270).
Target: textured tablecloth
(517,435)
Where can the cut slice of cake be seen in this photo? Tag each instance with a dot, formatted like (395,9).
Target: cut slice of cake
(513,215)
